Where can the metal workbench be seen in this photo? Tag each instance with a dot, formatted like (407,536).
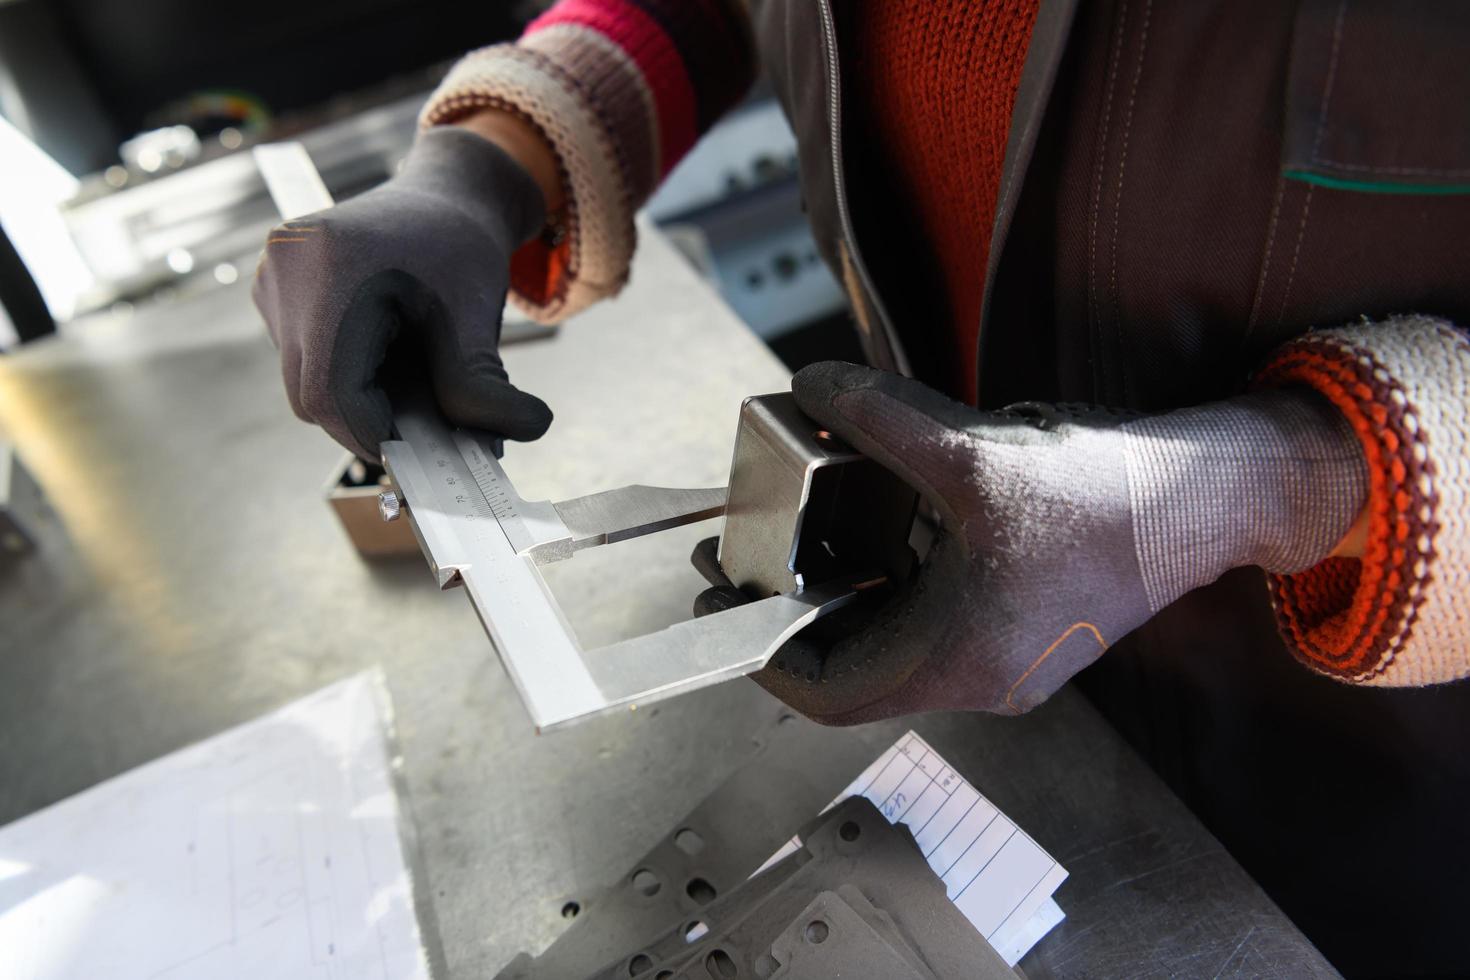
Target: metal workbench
(194,579)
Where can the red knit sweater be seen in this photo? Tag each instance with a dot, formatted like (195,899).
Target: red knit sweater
(932,84)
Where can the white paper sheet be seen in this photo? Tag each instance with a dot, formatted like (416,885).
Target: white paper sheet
(997,875)
(271,850)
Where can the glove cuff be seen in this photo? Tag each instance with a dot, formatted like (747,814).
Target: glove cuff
(481,179)
(1273,478)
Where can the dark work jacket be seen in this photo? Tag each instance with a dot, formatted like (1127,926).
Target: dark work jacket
(1186,186)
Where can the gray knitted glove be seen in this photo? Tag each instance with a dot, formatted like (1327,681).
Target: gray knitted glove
(419,265)
(1062,530)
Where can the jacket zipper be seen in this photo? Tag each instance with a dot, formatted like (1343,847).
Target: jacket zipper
(839,186)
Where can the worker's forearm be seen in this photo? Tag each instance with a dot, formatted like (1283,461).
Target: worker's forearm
(524,144)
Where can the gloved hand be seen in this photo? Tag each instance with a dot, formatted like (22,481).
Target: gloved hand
(419,264)
(1063,529)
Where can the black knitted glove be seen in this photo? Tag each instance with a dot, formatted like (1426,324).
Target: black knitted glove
(408,279)
(1063,529)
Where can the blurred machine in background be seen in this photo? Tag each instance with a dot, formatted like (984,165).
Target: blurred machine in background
(152,108)
(83,76)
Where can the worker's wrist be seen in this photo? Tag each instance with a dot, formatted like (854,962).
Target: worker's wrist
(522,142)
(1272,478)
(480,180)
(1355,543)
(1309,479)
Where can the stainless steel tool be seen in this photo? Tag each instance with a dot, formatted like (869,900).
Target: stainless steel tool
(476,531)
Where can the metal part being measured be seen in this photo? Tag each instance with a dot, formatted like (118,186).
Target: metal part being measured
(476,531)
(806,508)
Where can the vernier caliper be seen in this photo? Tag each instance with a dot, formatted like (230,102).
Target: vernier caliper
(808,522)
(476,530)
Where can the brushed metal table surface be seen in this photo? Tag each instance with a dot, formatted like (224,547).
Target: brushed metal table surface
(195,579)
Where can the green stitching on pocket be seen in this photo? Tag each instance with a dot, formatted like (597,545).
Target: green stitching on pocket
(1373,186)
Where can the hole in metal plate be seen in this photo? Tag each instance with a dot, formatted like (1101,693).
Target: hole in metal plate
(719,965)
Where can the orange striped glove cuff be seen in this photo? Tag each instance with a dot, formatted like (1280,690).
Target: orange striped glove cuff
(1400,616)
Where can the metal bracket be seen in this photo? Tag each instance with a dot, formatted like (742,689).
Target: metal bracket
(858,882)
(805,508)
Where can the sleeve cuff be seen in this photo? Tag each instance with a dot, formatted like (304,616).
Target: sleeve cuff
(1400,615)
(551,280)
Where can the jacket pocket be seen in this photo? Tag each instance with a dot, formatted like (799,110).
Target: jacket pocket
(1378,96)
